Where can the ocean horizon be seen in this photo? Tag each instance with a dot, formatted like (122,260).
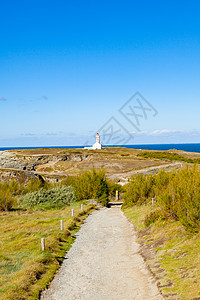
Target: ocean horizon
(189,147)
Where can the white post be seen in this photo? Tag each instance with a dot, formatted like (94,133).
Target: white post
(91,201)
(152,201)
(81,207)
(72,212)
(61,224)
(42,244)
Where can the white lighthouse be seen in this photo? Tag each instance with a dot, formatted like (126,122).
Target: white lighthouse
(97,145)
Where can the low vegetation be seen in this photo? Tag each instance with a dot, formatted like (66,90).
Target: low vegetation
(177,195)
(24,269)
(38,193)
(171,252)
(9,191)
(33,211)
(113,187)
(165,155)
(89,185)
(168,228)
(57,197)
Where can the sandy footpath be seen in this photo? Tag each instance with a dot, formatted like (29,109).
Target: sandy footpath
(103,263)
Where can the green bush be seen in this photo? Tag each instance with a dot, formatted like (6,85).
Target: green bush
(36,184)
(113,187)
(125,154)
(90,185)
(8,191)
(7,201)
(177,194)
(56,197)
(139,190)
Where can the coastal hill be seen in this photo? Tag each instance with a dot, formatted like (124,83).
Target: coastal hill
(168,234)
(119,162)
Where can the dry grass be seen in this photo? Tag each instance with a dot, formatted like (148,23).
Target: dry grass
(172,254)
(114,161)
(24,269)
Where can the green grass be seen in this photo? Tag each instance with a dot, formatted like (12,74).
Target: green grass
(137,215)
(172,254)
(24,269)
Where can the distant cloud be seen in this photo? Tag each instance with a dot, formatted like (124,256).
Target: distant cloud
(29,134)
(50,134)
(158,132)
(164,131)
(167,136)
(3,99)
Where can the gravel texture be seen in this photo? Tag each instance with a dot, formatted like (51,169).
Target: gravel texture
(104,263)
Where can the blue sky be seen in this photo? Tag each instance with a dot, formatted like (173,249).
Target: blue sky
(67,67)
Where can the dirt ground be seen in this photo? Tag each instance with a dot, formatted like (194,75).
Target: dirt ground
(104,263)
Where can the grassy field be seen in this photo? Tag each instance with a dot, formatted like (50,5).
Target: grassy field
(172,254)
(24,269)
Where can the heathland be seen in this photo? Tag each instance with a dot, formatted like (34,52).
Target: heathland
(54,164)
(39,188)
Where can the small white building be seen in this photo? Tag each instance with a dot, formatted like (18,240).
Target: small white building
(97,145)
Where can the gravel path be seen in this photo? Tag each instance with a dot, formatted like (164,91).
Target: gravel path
(103,263)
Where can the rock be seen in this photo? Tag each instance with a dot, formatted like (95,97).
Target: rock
(20,176)
(13,161)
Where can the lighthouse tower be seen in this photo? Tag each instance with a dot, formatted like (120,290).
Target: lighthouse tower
(97,145)
(97,138)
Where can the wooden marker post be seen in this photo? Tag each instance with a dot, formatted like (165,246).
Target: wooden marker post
(72,212)
(61,224)
(42,244)
(152,201)
(81,207)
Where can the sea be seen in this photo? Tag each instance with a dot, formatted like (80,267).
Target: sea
(193,147)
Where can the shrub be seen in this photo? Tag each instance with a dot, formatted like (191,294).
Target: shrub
(8,192)
(125,154)
(7,201)
(177,195)
(139,190)
(152,217)
(90,185)
(34,185)
(113,187)
(56,197)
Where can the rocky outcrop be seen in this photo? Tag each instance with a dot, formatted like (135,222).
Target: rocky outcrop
(19,175)
(9,160)
(12,160)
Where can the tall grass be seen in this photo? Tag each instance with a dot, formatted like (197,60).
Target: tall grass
(177,195)
(24,269)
